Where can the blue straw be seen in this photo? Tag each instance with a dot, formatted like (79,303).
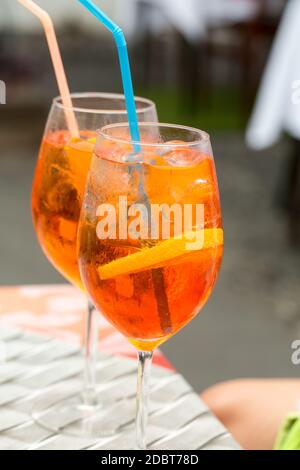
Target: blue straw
(125,67)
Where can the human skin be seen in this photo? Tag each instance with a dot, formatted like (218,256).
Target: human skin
(253,410)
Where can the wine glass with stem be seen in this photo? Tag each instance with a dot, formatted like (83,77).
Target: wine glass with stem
(151,243)
(57,194)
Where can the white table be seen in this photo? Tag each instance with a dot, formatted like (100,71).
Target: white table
(41,362)
(40,371)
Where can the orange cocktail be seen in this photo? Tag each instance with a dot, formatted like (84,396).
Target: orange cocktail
(149,288)
(150,236)
(57,196)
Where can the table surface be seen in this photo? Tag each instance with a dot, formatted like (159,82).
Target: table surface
(41,363)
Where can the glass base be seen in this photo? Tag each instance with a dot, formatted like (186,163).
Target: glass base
(72,418)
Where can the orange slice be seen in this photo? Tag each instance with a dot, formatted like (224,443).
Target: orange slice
(163,252)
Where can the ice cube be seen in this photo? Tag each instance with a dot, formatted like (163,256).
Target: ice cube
(180,155)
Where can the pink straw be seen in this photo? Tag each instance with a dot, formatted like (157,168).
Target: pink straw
(57,63)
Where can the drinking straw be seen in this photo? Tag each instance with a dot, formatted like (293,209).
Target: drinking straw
(124,64)
(157,275)
(47,23)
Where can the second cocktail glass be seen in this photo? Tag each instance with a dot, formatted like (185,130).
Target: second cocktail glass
(57,195)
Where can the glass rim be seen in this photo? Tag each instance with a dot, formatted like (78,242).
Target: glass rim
(149,105)
(204,137)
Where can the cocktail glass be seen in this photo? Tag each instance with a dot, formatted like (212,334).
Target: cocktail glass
(150,243)
(57,195)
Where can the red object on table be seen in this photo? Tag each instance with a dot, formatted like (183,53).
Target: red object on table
(59,311)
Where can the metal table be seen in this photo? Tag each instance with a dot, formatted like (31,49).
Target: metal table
(36,367)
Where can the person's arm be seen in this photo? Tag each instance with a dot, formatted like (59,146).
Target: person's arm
(254,410)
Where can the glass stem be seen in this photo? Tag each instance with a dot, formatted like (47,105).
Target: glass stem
(91,342)
(143,385)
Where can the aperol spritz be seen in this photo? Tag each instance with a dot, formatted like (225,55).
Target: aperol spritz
(150,242)
(57,197)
